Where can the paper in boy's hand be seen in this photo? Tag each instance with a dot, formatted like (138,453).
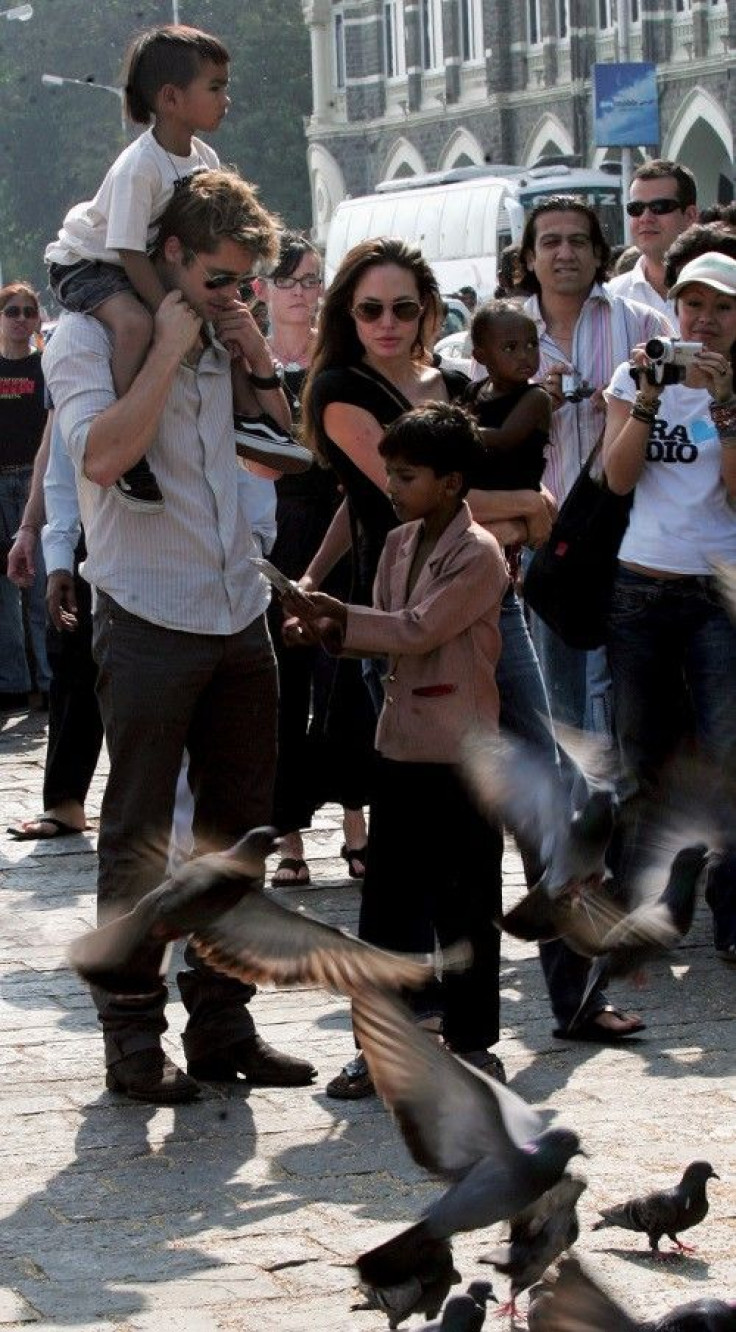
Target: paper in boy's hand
(286,587)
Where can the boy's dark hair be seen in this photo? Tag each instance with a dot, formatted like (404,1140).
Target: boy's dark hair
(439,435)
(694,241)
(485,317)
(564,203)
(660,168)
(171,54)
(722,212)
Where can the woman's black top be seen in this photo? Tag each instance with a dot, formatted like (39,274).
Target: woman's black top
(517,468)
(371,514)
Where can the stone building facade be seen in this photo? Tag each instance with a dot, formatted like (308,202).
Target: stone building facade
(404,87)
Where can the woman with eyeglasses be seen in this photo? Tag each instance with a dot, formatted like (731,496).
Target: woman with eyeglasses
(22,421)
(316,762)
(671,440)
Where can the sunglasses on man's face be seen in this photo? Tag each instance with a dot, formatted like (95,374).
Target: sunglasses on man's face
(369,312)
(218,281)
(636,207)
(16,311)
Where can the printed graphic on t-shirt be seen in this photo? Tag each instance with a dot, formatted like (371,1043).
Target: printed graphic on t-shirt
(678,444)
(17,387)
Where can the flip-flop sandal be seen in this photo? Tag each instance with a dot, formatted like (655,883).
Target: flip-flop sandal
(60,829)
(590,1030)
(296,865)
(351,855)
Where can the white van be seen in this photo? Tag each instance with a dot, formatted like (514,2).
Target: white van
(462,219)
(460,228)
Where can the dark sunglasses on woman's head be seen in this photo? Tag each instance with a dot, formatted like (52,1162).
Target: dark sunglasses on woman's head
(307,283)
(15,311)
(369,312)
(635,207)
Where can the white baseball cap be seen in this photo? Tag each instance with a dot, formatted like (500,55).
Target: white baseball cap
(712,269)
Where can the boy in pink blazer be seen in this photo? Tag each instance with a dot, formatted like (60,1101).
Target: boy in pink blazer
(435,616)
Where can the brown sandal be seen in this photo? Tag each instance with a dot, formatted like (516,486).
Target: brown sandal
(291,865)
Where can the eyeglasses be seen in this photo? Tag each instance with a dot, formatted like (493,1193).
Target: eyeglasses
(369,312)
(307,283)
(635,208)
(218,281)
(15,311)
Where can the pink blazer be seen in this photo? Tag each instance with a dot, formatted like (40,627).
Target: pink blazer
(442,639)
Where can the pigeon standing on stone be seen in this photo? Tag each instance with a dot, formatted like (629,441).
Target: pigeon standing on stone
(462,1126)
(667,1212)
(465,1313)
(576,1303)
(219,900)
(537,1237)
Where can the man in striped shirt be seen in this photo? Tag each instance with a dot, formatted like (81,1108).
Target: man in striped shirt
(180,639)
(584,333)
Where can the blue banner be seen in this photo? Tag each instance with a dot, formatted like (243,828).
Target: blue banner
(625,105)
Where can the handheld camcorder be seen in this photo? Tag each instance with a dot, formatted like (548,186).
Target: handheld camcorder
(575,388)
(669,357)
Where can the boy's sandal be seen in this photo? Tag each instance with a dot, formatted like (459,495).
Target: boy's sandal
(355,859)
(296,868)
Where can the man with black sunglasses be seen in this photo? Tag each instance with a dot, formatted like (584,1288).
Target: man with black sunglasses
(179,632)
(662,204)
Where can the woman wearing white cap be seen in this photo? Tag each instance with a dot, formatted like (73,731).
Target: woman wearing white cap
(670,636)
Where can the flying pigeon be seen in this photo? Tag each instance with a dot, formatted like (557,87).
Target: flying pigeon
(641,935)
(537,1237)
(239,930)
(576,1303)
(666,1212)
(513,779)
(462,1126)
(465,1313)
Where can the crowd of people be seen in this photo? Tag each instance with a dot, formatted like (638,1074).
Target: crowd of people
(168,436)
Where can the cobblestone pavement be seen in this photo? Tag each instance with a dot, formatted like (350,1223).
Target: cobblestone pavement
(244,1212)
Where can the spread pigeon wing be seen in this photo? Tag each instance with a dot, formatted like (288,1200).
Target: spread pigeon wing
(578,1304)
(512,780)
(260,941)
(450,1116)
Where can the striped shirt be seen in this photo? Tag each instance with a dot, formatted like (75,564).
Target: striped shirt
(186,567)
(606,330)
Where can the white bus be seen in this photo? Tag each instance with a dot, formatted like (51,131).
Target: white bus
(462,219)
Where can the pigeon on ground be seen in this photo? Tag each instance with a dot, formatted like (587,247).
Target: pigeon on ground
(666,1212)
(459,1124)
(651,929)
(515,781)
(425,1292)
(219,901)
(537,1237)
(576,1303)
(465,1313)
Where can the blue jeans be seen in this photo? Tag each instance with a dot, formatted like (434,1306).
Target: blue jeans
(15,676)
(578,683)
(671,640)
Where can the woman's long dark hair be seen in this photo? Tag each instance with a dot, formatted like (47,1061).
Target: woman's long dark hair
(337,339)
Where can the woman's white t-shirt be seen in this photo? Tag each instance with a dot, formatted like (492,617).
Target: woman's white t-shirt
(681,520)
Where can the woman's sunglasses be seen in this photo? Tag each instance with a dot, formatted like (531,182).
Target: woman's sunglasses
(15,311)
(656,206)
(369,312)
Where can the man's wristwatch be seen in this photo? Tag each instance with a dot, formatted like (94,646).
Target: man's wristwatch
(266,381)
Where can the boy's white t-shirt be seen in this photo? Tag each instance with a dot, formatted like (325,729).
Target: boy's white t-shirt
(128,204)
(681,520)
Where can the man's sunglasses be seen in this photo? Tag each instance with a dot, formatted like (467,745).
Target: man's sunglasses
(15,311)
(218,281)
(636,207)
(307,283)
(369,312)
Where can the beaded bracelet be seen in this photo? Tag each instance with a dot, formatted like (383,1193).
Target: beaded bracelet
(644,409)
(723,415)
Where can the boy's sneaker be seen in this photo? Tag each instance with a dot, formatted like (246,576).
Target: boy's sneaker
(485,1060)
(139,489)
(262,440)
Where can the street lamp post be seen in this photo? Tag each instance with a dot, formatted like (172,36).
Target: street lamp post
(57,81)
